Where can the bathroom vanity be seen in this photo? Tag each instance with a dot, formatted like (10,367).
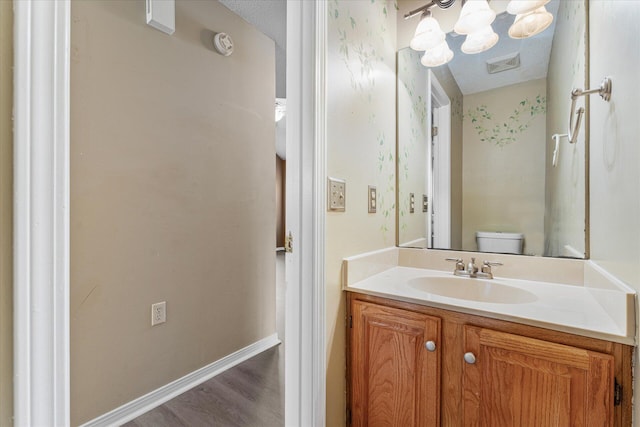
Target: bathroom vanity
(425,349)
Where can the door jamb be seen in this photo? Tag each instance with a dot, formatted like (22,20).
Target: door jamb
(441,198)
(41,213)
(305,353)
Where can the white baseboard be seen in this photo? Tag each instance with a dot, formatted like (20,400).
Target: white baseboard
(139,406)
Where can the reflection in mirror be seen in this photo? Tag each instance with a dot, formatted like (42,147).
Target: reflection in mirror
(475,142)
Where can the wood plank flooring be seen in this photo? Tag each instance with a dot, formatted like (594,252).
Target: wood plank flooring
(249,394)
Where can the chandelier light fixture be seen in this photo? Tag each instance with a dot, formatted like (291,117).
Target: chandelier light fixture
(474,22)
(428,33)
(474,16)
(479,41)
(437,56)
(531,18)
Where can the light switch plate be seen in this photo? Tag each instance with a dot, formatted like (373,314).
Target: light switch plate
(373,199)
(412,203)
(337,194)
(425,203)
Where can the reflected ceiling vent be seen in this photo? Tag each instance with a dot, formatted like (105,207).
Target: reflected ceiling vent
(503,63)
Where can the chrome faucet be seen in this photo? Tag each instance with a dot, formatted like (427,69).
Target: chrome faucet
(471,269)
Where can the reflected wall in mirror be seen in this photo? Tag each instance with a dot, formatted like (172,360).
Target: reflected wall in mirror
(482,154)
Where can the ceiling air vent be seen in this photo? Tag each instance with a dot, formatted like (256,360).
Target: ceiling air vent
(503,63)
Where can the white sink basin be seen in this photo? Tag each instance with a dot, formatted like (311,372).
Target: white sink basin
(472,290)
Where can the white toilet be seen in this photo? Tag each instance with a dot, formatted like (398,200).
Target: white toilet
(498,242)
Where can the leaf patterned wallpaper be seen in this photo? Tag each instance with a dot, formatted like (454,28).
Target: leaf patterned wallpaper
(412,147)
(565,183)
(501,132)
(362,52)
(361,141)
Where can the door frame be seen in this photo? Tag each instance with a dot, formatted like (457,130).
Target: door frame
(305,348)
(438,99)
(41,214)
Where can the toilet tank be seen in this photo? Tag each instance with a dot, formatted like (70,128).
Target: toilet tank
(498,242)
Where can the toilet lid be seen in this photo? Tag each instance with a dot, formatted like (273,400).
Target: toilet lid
(499,235)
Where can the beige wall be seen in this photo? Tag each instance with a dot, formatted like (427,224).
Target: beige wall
(503,173)
(172,197)
(361,133)
(615,144)
(565,183)
(6,214)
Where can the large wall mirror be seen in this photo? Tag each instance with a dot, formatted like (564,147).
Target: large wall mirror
(476,152)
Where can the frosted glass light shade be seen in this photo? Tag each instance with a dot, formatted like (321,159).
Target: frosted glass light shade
(480,41)
(428,34)
(530,24)
(437,56)
(520,7)
(475,15)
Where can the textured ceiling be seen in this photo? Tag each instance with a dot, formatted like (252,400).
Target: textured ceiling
(470,71)
(270,17)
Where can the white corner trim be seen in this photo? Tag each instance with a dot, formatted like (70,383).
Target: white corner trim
(41,213)
(143,404)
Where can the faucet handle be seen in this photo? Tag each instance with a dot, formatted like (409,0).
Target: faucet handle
(458,261)
(490,263)
(486,265)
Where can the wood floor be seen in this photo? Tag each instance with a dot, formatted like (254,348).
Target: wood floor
(249,394)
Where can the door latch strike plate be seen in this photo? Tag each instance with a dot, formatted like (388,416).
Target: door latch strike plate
(288,243)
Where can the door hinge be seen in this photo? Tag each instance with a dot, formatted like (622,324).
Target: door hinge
(348,416)
(617,393)
(434,131)
(288,243)
(350,322)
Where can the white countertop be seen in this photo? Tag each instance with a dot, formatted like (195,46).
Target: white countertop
(567,308)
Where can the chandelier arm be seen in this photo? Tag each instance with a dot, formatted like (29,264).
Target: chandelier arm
(445,4)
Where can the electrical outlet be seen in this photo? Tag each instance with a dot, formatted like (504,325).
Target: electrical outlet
(337,194)
(412,203)
(372,199)
(158,313)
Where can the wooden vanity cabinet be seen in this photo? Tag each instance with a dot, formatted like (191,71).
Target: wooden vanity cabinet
(520,381)
(396,378)
(479,372)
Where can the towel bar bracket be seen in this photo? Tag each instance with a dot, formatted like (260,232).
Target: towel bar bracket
(605,93)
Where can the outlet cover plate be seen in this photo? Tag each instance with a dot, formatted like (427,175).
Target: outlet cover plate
(412,203)
(158,313)
(337,194)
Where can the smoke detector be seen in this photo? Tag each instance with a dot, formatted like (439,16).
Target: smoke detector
(223,44)
(503,63)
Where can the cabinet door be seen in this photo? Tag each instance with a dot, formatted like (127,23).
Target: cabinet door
(519,381)
(395,379)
